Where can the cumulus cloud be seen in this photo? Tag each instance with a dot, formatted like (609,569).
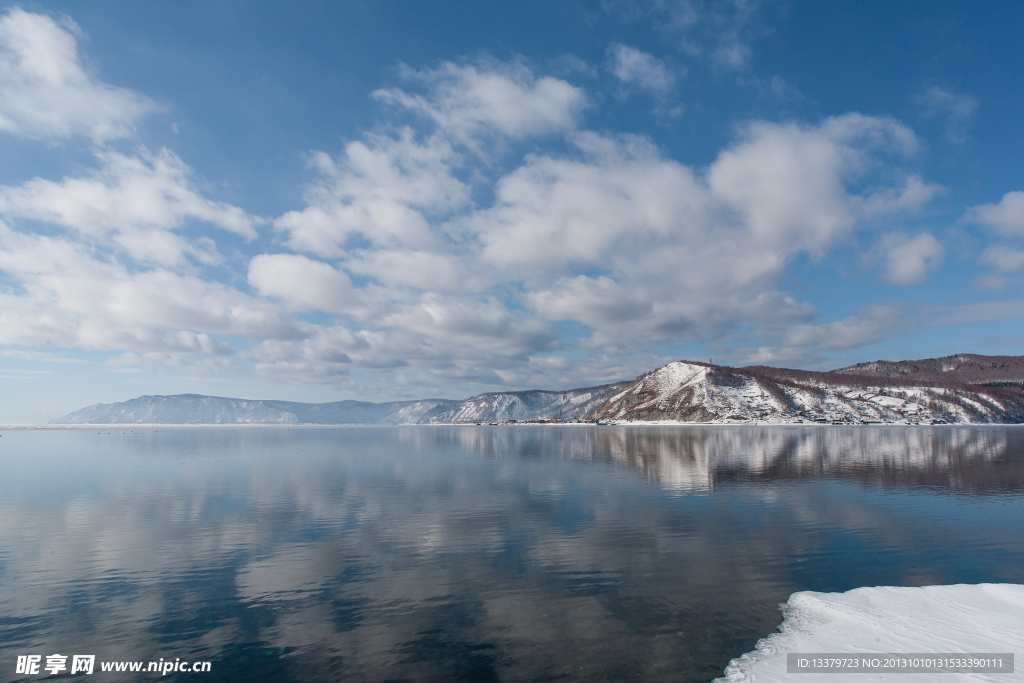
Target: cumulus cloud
(1006,217)
(383,190)
(789,182)
(914,194)
(435,264)
(137,202)
(303,283)
(105,259)
(552,213)
(46,92)
(640,70)
(434,339)
(612,235)
(597,302)
(1005,259)
(69,297)
(466,100)
(908,260)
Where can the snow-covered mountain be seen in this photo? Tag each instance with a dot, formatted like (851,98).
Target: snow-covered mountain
(884,392)
(528,405)
(697,392)
(197,409)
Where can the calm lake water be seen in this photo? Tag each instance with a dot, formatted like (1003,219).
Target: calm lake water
(477,553)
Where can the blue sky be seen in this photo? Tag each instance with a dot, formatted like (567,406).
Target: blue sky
(386,200)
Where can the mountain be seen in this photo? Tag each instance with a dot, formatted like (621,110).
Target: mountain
(697,392)
(529,405)
(197,409)
(961,389)
(966,368)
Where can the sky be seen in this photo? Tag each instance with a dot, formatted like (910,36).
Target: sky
(389,200)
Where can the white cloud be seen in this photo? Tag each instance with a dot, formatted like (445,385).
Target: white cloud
(909,260)
(788,181)
(1006,217)
(803,344)
(107,259)
(198,364)
(426,270)
(68,296)
(467,100)
(1003,258)
(611,235)
(555,213)
(867,326)
(303,283)
(640,70)
(45,92)
(865,133)
(443,265)
(719,30)
(911,197)
(136,202)
(381,190)
(433,339)
(600,302)
(481,323)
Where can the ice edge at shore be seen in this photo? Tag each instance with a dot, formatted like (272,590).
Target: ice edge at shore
(961,618)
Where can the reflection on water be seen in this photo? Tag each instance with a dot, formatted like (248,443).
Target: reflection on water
(959,459)
(479,553)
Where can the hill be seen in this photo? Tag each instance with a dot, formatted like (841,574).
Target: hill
(687,391)
(198,409)
(966,368)
(961,389)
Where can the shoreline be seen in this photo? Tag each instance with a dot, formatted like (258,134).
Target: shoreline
(661,423)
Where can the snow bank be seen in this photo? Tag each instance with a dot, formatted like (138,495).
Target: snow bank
(963,618)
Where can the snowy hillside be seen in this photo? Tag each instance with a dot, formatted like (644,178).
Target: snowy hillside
(196,409)
(696,392)
(680,392)
(528,405)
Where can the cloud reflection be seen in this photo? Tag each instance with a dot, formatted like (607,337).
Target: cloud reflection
(438,553)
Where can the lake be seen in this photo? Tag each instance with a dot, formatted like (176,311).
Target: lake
(477,553)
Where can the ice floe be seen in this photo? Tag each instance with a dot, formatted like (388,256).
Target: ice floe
(961,618)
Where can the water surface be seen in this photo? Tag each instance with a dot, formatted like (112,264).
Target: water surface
(478,553)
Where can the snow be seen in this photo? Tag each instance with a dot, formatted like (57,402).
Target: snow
(690,392)
(982,618)
(675,375)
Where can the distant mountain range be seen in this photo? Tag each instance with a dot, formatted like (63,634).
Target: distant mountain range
(492,407)
(962,389)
